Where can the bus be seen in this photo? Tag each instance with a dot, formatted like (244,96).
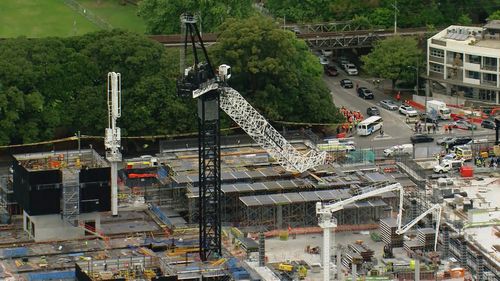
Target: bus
(370,125)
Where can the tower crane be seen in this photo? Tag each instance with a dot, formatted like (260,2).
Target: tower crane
(112,140)
(327,221)
(210,88)
(436,208)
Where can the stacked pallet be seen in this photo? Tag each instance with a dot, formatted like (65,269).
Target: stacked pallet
(362,250)
(388,234)
(349,257)
(425,237)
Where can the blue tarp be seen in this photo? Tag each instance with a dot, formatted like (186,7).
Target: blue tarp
(14,252)
(162,173)
(54,275)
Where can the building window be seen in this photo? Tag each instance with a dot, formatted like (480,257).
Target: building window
(473,74)
(437,52)
(474,59)
(488,95)
(490,63)
(436,68)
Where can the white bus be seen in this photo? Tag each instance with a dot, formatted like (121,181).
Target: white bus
(370,125)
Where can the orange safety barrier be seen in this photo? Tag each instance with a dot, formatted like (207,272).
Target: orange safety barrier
(140,176)
(415,104)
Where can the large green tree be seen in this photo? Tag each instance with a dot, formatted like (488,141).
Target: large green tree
(392,58)
(276,72)
(495,15)
(162,16)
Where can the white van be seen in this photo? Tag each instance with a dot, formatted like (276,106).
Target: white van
(399,150)
(449,165)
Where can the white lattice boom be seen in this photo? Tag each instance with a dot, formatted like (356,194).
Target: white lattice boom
(265,135)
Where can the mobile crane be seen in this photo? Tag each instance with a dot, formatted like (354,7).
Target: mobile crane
(327,221)
(210,88)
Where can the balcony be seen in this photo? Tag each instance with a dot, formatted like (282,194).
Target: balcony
(489,67)
(437,75)
(489,82)
(436,59)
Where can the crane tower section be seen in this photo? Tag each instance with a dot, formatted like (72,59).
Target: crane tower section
(257,127)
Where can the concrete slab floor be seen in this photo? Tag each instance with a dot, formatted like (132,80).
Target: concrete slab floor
(129,227)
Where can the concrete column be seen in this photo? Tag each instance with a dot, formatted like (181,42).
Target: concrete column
(354,271)
(417,268)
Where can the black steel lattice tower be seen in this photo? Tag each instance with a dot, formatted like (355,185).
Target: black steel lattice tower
(198,81)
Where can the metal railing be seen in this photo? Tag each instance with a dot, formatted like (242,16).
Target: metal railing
(88,14)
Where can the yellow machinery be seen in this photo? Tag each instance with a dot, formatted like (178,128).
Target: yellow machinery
(285,267)
(302,271)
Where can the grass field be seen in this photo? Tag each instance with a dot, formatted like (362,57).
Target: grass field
(119,16)
(41,18)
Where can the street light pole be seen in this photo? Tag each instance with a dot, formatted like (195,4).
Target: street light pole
(395,16)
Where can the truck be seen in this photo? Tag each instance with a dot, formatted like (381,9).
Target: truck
(438,109)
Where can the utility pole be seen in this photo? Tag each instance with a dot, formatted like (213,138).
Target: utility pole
(395,16)
(79,143)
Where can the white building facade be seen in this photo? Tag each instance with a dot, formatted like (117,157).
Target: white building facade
(463,64)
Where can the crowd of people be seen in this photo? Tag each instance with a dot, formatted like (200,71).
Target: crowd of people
(352,118)
(419,128)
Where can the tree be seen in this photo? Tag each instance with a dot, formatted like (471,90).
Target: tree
(391,58)
(495,15)
(464,19)
(274,71)
(162,16)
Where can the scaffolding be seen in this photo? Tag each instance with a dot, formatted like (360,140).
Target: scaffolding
(70,205)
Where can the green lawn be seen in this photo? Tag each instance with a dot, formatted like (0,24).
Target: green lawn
(40,18)
(119,16)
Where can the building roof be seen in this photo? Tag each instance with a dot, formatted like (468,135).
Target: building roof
(54,160)
(493,24)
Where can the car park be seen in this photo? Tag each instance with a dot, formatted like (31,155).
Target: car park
(421,138)
(373,110)
(488,123)
(389,104)
(331,70)
(365,93)
(408,111)
(346,83)
(351,69)
(464,125)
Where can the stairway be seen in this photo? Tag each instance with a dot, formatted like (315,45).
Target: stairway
(70,205)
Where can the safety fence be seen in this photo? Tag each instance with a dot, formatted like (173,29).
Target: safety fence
(88,14)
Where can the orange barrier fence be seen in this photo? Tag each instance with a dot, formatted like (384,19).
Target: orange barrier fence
(415,104)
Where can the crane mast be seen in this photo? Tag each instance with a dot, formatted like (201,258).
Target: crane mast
(327,221)
(112,140)
(209,87)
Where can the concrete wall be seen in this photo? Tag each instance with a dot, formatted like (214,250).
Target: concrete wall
(447,99)
(52,227)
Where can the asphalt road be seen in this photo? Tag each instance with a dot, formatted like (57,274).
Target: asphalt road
(396,131)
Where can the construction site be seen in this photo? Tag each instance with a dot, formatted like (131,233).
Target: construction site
(265,208)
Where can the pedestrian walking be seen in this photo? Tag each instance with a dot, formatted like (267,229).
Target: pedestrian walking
(446,129)
(449,128)
(428,129)
(434,127)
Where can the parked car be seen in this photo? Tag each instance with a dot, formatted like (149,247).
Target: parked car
(464,125)
(351,69)
(441,141)
(458,118)
(389,104)
(365,93)
(372,111)
(346,83)
(344,62)
(488,123)
(323,60)
(457,141)
(421,138)
(331,70)
(408,110)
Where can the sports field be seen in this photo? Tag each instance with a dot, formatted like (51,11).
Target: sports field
(41,18)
